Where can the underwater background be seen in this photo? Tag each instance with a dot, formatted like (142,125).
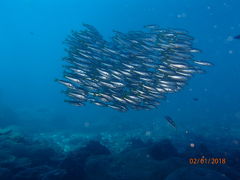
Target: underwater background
(42,137)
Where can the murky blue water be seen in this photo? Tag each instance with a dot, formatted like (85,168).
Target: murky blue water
(206,111)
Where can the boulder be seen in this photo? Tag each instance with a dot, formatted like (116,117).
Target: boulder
(32,173)
(198,151)
(132,165)
(162,150)
(195,173)
(56,174)
(74,163)
(5,174)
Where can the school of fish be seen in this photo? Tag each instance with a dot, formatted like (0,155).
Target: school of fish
(135,70)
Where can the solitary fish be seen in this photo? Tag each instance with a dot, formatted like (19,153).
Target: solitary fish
(237,37)
(195,99)
(170,121)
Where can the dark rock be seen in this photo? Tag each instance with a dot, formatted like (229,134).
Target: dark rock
(195,173)
(228,171)
(32,173)
(5,131)
(57,174)
(95,148)
(162,150)
(234,159)
(19,150)
(42,155)
(197,151)
(131,165)
(17,165)
(74,168)
(5,156)
(5,174)
(136,143)
(75,161)
(204,151)
(101,166)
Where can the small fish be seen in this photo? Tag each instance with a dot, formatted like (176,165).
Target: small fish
(119,99)
(75,103)
(195,51)
(170,121)
(118,107)
(178,77)
(77,96)
(67,84)
(180,66)
(72,79)
(99,103)
(133,70)
(203,63)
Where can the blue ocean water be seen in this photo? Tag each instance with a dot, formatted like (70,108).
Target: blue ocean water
(206,111)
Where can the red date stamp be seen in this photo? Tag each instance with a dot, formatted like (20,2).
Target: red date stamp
(211,161)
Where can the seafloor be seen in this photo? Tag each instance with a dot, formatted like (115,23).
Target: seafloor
(113,156)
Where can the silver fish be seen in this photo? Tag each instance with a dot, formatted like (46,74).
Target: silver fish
(134,70)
